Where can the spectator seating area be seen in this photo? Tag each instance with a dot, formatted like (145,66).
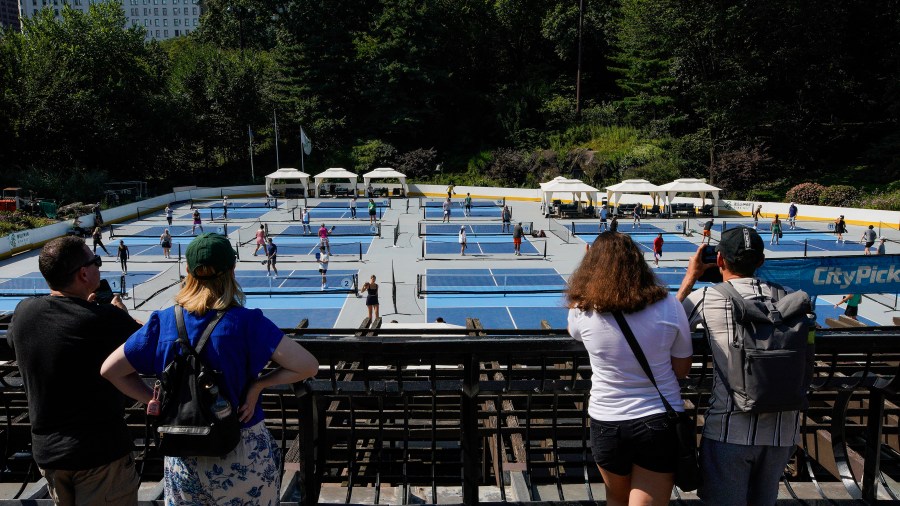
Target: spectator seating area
(685,208)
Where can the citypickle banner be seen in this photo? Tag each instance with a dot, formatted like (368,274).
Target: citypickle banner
(835,275)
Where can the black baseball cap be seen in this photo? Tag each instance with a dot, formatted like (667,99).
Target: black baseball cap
(741,244)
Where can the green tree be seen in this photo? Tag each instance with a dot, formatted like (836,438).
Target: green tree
(85,86)
(216,94)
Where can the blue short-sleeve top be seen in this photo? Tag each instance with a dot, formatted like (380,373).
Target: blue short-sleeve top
(240,347)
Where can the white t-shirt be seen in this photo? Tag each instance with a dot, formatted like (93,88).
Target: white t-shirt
(462,236)
(619,388)
(323,261)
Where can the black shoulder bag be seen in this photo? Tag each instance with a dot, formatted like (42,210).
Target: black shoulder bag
(687,471)
(187,425)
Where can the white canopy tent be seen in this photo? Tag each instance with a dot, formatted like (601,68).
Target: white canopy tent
(335,173)
(284,179)
(386,173)
(575,187)
(688,185)
(614,192)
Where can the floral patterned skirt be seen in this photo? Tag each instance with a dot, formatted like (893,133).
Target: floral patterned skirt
(246,476)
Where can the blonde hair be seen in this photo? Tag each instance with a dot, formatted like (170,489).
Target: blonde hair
(198,296)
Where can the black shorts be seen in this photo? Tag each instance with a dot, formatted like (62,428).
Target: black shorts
(371,300)
(852,310)
(323,271)
(166,244)
(272,259)
(869,244)
(649,442)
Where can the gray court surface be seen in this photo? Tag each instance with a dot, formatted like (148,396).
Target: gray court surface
(398,266)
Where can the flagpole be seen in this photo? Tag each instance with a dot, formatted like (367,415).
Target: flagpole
(252,171)
(277,160)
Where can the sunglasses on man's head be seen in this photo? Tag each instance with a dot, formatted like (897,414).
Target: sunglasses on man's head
(97,260)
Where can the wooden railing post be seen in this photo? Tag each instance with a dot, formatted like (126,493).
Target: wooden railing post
(471,452)
(872,466)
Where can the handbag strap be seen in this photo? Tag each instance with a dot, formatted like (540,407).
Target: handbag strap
(641,358)
(182,331)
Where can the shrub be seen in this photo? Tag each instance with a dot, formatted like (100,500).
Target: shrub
(418,163)
(17,221)
(371,154)
(508,166)
(839,196)
(739,170)
(887,201)
(805,193)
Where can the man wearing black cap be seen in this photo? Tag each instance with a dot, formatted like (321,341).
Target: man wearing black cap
(742,454)
(79,437)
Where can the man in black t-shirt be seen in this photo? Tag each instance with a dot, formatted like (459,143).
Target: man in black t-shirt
(79,437)
(707,232)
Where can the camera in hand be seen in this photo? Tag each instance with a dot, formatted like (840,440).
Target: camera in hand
(104,294)
(712,274)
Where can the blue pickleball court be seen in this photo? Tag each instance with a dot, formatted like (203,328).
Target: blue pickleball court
(457,212)
(243,213)
(478,245)
(472,229)
(812,241)
(672,243)
(500,298)
(309,245)
(293,295)
(340,209)
(138,246)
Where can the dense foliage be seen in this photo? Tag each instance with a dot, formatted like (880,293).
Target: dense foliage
(755,97)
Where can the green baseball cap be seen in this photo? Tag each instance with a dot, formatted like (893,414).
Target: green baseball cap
(211,250)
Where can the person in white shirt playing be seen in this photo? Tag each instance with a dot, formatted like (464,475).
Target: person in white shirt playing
(462,240)
(322,258)
(633,440)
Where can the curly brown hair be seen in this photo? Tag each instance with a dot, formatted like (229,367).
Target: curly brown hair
(613,276)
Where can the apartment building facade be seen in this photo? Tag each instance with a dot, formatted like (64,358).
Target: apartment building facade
(163,19)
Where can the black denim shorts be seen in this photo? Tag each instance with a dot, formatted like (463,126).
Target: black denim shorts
(648,442)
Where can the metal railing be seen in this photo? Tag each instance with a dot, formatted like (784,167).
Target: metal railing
(425,412)
(469,409)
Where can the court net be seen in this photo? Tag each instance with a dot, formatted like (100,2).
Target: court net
(142,293)
(261,284)
(559,229)
(204,203)
(23,286)
(489,283)
(142,230)
(475,229)
(460,202)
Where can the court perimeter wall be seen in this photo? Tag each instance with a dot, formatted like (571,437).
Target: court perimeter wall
(34,238)
(885,220)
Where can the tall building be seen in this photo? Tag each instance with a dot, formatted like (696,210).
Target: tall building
(163,19)
(9,14)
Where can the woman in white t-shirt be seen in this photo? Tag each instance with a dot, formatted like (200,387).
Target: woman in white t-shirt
(632,439)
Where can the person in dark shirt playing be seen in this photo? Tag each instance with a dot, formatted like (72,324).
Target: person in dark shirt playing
(518,233)
(707,232)
(80,441)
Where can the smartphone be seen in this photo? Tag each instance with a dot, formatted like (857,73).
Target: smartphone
(104,293)
(712,274)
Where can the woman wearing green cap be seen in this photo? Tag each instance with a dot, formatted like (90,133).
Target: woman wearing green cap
(240,346)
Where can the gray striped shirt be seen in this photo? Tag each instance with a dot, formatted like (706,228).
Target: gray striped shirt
(724,422)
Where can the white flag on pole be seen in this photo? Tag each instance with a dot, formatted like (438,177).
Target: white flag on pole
(304,140)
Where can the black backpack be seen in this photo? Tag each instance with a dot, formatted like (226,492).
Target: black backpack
(186,425)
